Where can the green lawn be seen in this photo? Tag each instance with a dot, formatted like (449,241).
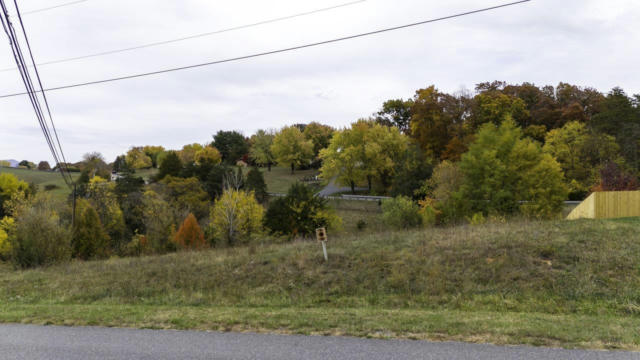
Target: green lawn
(42,179)
(561,283)
(279,179)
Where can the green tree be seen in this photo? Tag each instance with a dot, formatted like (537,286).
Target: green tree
(137,159)
(171,165)
(260,151)
(153,152)
(384,148)
(186,196)
(290,148)
(396,113)
(236,217)
(90,240)
(502,169)
(430,124)
(494,107)
(93,163)
(188,153)
(159,222)
(320,135)
(255,182)
(345,156)
(102,196)
(27,164)
(208,155)
(232,145)
(580,153)
(44,166)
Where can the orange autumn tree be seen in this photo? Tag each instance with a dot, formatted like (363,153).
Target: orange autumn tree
(190,236)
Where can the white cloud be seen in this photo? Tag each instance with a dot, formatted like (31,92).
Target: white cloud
(586,42)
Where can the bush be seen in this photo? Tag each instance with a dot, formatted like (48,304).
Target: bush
(90,240)
(235,217)
(401,213)
(40,237)
(139,245)
(300,213)
(6,227)
(50,187)
(189,236)
(361,224)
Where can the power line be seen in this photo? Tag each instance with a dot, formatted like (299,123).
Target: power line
(44,95)
(31,90)
(53,7)
(272,52)
(196,36)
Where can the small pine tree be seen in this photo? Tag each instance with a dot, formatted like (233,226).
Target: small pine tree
(189,236)
(255,182)
(90,240)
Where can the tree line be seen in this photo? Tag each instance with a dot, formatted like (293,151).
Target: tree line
(503,150)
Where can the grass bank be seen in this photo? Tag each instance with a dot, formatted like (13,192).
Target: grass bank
(571,284)
(42,179)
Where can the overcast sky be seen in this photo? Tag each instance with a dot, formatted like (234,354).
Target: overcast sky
(584,42)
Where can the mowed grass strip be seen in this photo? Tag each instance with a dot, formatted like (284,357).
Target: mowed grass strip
(280,179)
(571,284)
(568,331)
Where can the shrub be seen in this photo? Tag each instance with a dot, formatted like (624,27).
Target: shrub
(361,224)
(235,217)
(7,226)
(429,211)
(50,187)
(90,240)
(189,236)
(401,213)
(139,245)
(300,213)
(10,189)
(40,237)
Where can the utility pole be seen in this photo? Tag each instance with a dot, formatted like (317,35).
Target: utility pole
(73,213)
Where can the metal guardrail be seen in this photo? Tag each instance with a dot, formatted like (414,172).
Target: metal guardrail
(380,198)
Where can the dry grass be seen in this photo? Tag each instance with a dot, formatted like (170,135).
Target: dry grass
(501,282)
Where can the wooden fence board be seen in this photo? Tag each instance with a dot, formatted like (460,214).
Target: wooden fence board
(607,205)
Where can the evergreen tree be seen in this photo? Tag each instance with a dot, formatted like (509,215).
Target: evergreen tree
(255,182)
(171,166)
(90,240)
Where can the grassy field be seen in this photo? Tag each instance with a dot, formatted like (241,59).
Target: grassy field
(42,179)
(569,284)
(279,179)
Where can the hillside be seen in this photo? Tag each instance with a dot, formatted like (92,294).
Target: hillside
(561,283)
(42,179)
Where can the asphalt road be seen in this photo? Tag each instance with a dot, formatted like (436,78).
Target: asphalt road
(88,343)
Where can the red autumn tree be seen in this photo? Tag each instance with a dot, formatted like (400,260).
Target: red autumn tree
(614,178)
(190,236)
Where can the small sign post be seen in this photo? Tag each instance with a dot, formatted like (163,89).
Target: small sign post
(321,235)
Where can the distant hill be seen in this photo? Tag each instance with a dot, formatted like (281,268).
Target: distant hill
(14,163)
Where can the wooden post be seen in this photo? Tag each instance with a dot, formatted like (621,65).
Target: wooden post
(321,235)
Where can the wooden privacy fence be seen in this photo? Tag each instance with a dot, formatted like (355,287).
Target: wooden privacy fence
(607,205)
